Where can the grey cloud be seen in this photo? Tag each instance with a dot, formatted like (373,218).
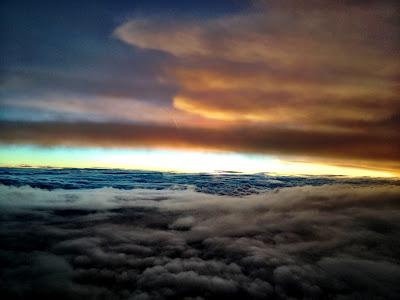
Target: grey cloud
(337,241)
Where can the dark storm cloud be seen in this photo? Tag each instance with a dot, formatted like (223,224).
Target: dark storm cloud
(378,150)
(334,241)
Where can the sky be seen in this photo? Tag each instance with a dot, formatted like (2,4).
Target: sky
(294,87)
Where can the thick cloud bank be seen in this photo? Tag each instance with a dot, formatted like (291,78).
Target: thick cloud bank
(334,241)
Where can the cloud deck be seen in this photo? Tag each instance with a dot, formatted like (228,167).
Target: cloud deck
(337,240)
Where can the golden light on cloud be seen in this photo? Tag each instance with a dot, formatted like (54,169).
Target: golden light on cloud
(190,106)
(287,62)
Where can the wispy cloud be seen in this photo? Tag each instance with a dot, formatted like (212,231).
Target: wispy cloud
(293,64)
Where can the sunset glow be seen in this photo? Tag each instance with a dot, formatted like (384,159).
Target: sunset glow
(175,161)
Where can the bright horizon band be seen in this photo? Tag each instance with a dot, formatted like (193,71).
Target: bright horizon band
(167,160)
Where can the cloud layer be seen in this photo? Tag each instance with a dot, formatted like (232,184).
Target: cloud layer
(219,183)
(292,63)
(371,149)
(333,241)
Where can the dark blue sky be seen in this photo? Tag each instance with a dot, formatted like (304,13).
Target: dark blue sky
(53,32)
(67,47)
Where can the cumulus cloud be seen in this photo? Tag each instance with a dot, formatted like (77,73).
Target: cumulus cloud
(335,241)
